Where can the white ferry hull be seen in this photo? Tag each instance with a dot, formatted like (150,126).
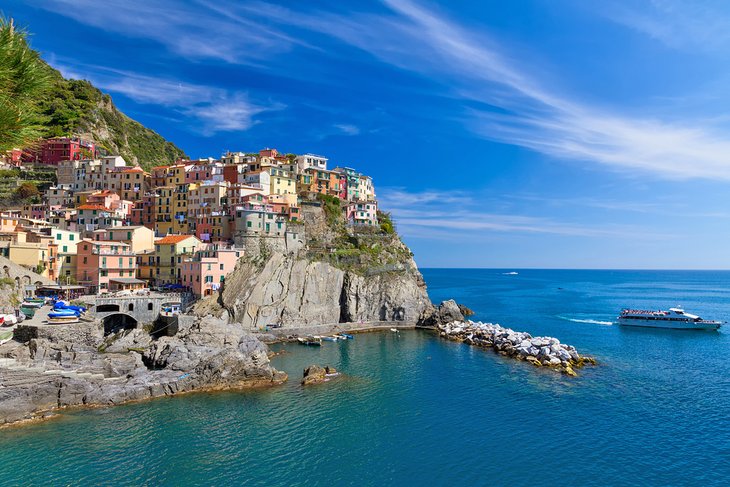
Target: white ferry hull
(675,325)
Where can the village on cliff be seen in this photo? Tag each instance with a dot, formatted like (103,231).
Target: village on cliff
(107,226)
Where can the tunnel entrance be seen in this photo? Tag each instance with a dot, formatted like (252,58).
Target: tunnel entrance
(118,322)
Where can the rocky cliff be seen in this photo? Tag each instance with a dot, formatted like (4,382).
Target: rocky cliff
(339,275)
(49,367)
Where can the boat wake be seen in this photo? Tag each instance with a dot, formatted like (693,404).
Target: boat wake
(592,322)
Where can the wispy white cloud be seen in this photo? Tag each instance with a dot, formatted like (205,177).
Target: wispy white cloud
(347,129)
(205,108)
(456,215)
(696,25)
(494,95)
(524,112)
(193,30)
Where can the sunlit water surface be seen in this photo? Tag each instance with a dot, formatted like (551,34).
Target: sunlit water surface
(415,410)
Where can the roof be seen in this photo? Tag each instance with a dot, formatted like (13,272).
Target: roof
(173,239)
(127,280)
(92,207)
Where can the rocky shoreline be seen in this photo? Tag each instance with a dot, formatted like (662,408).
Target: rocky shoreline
(49,367)
(75,365)
(539,351)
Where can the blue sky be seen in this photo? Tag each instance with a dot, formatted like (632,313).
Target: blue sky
(545,133)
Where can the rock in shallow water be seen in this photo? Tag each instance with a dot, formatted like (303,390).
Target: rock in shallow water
(315,374)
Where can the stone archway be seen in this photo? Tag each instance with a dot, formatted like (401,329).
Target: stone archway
(117,322)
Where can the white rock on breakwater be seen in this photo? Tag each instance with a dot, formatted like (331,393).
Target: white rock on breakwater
(540,351)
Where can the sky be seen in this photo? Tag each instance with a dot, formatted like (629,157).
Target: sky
(533,133)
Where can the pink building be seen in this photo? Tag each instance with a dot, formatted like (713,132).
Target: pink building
(205,272)
(106,266)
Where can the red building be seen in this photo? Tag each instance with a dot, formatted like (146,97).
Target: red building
(53,151)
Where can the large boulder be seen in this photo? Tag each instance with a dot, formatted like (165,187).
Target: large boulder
(447,312)
(315,374)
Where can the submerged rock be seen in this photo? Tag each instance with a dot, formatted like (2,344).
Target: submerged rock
(315,374)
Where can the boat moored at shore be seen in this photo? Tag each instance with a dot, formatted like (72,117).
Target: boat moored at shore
(675,318)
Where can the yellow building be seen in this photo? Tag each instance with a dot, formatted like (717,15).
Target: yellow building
(164,205)
(169,252)
(282,181)
(63,263)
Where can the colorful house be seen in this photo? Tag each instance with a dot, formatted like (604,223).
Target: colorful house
(205,271)
(169,252)
(106,266)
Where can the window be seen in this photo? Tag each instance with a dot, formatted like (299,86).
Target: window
(248,224)
(149,306)
(65,248)
(103,261)
(68,259)
(130,307)
(71,237)
(221,267)
(84,260)
(59,236)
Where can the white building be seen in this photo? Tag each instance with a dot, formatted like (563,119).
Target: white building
(311,160)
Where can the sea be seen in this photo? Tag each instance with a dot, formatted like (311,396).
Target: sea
(411,409)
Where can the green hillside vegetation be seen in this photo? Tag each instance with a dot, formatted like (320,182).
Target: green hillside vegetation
(37,101)
(74,107)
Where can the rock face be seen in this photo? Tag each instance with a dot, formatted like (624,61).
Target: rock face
(447,312)
(47,373)
(315,374)
(293,290)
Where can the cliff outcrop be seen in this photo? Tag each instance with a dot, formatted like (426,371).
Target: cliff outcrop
(77,366)
(340,275)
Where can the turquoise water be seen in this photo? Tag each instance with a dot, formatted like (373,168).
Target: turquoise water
(414,410)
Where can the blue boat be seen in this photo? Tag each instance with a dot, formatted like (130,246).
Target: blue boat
(61,305)
(63,313)
(347,335)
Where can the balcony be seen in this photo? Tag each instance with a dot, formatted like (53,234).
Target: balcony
(120,253)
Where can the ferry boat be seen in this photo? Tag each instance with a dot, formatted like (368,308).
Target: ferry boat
(674,318)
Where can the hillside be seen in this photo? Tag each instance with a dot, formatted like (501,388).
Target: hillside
(76,107)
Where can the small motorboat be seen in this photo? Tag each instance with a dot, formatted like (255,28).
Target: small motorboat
(31,304)
(76,309)
(330,338)
(310,341)
(394,330)
(347,336)
(28,312)
(63,313)
(62,320)
(8,320)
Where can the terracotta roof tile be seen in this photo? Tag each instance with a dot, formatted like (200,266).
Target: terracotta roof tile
(172,239)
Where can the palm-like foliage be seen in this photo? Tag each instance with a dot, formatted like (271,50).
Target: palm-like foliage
(24,79)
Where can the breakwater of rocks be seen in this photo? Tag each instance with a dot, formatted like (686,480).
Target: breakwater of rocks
(539,351)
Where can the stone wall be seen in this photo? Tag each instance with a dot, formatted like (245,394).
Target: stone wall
(145,309)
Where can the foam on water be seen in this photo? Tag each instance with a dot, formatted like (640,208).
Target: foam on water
(587,320)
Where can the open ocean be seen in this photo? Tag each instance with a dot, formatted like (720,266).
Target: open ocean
(416,410)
